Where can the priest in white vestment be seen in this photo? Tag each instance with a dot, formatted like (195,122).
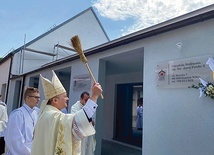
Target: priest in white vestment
(3,125)
(139,121)
(57,133)
(21,123)
(88,144)
(3,118)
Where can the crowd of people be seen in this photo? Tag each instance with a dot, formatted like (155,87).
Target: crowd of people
(50,130)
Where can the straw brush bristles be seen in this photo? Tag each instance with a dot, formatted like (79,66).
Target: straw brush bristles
(75,42)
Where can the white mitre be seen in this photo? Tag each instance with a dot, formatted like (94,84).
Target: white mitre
(51,88)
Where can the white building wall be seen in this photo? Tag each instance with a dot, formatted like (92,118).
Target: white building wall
(78,69)
(176,121)
(4,70)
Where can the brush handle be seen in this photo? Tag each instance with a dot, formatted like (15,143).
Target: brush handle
(90,72)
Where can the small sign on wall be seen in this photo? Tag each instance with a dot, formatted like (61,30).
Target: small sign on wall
(183,72)
(82,83)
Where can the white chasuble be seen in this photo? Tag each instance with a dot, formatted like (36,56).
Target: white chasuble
(3,118)
(88,144)
(76,107)
(55,134)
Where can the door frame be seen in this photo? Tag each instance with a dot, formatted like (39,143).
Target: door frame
(123,130)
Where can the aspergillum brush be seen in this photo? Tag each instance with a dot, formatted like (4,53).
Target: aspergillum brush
(75,42)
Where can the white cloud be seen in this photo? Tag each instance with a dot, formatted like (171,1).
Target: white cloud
(146,12)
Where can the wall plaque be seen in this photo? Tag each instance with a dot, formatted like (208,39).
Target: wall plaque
(82,83)
(183,72)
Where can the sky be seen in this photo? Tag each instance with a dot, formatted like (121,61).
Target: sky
(25,20)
